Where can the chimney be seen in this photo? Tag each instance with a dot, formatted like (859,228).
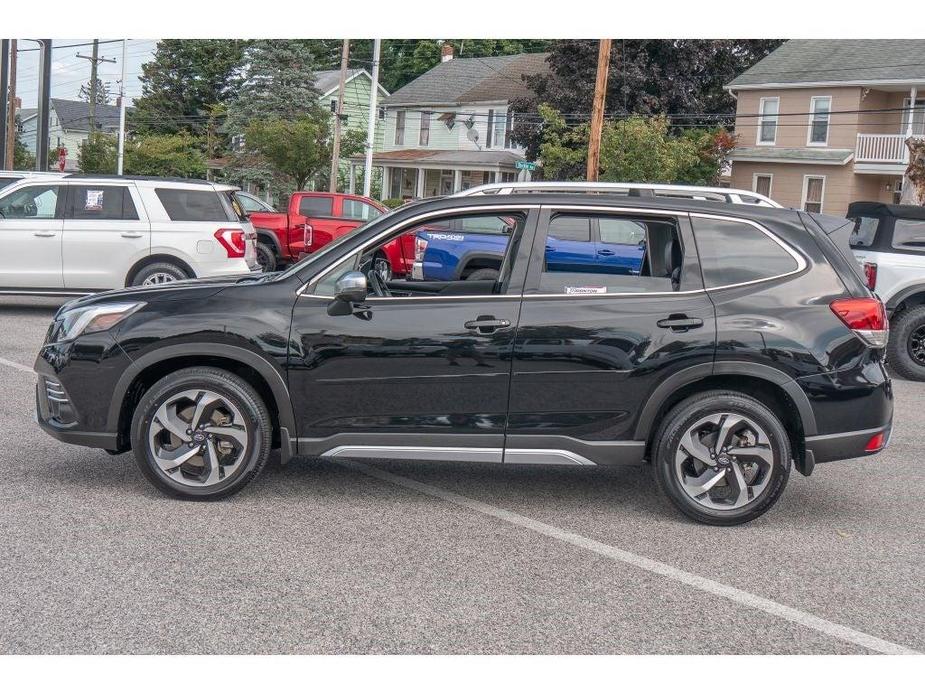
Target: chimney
(446,52)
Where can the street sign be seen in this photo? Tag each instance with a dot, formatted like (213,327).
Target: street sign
(526,165)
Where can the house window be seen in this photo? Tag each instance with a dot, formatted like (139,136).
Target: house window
(381,112)
(333,105)
(399,127)
(813,193)
(761,184)
(767,120)
(917,114)
(500,126)
(819,107)
(424,136)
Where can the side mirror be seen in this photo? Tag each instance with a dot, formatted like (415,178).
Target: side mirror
(351,288)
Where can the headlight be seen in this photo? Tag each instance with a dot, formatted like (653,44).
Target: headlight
(93,319)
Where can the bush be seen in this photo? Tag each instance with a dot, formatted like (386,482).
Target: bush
(392,203)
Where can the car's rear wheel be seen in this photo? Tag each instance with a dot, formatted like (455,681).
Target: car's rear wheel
(266,257)
(158,273)
(201,433)
(905,350)
(486,273)
(722,457)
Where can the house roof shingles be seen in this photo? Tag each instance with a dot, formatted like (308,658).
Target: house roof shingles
(472,80)
(326,80)
(836,60)
(75,115)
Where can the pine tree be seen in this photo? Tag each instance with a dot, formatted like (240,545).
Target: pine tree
(103,92)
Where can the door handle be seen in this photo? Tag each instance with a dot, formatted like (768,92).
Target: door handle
(680,323)
(131,235)
(43,234)
(605,252)
(487,324)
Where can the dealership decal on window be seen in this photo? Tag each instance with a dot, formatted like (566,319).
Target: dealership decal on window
(94,200)
(586,290)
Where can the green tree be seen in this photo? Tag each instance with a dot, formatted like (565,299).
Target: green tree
(98,154)
(299,149)
(186,77)
(23,160)
(103,92)
(165,155)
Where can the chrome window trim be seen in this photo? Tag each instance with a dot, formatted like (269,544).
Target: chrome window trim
(410,222)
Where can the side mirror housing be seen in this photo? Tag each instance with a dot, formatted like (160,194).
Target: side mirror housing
(351,288)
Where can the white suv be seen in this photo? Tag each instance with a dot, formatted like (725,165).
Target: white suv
(889,241)
(80,234)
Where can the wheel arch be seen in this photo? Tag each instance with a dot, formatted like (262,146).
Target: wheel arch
(152,366)
(478,260)
(270,236)
(766,384)
(910,296)
(158,258)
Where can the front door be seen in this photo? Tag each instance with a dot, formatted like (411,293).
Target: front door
(103,235)
(595,339)
(421,373)
(30,234)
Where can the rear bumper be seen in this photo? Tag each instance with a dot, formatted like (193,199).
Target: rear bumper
(850,444)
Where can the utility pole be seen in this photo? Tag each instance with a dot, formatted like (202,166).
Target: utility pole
(5,102)
(597,109)
(95,60)
(371,125)
(335,151)
(121,156)
(9,96)
(44,106)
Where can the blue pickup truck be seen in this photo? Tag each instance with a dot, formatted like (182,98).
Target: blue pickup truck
(473,247)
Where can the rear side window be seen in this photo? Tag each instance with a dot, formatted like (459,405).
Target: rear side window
(864,233)
(316,206)
(909,234)
(186,205)
(569,228)
(100,202)
(734,252)
(357,209)
(5,181)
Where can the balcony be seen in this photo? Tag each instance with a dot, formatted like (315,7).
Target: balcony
(884,153)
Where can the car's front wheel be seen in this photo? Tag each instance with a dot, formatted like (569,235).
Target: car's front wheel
(722,457)
(201,433)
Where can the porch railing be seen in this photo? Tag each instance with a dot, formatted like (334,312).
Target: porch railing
(889,149)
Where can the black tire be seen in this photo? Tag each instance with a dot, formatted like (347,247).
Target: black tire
(153,270)
(484,274)
(899,348)
(266,257)
(229,386)
(686,414)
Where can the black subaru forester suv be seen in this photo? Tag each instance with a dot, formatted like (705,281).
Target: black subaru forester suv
(743,342)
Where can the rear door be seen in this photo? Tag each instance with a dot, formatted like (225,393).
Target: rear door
(592,344)
(104,235)
(30,234)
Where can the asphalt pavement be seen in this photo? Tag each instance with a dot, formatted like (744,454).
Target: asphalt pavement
(388,557)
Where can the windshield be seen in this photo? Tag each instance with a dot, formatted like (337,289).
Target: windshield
(331,249)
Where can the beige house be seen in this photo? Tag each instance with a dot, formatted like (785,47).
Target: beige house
(822,123)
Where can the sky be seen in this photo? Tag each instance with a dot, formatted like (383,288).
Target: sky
(69,72)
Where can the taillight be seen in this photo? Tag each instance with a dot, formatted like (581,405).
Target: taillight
(420,246)
(866,317)
(870,275)
(307,234)
(233,241)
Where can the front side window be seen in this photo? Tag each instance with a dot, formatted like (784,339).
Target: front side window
(605,254)
(734,252)
(186,205)
(424,134)
(767,120)
(100,202)
(820,106)
(813,192)
(909,234)
(32,202)
(399,127)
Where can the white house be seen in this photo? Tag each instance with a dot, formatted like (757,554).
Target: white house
(68,126)
(450,129)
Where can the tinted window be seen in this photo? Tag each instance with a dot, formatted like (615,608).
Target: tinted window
(357,209)
(632,255)
(316,206)
(734,252)
(185,205)
(909,233)
(865,231)
(6,180)
(100,202)
(32,202)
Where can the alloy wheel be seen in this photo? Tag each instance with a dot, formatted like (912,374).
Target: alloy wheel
(198,438)
(158,278)
(917,345)
(724,461)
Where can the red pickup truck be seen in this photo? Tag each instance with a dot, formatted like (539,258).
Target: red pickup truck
(312,221)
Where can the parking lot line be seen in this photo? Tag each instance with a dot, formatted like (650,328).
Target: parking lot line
(708,585)
(15,365)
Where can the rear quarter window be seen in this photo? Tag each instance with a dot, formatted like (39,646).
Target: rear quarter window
(909,234)
(186,205)
(735,252)
(864,232)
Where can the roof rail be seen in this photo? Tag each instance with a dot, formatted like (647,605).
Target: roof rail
(734,196)
(169,179)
